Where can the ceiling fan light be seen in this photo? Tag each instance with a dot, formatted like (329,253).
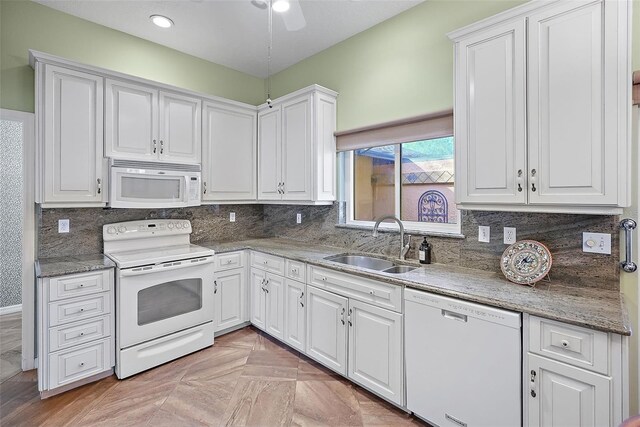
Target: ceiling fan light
(161,21)
(281,6)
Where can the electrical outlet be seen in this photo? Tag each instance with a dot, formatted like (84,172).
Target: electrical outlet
(63,226)
(597,243)
(232,217)
(509,235)
(299,218)
(484,233)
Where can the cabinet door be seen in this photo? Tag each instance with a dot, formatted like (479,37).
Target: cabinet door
(294,314)
(229,162)
(180,133)
(573,155)
(274,314)
(297,149)
(490,116)
(131,121)
(564,395)
(228,299)
(258,297)
(73,137)
(375,349)
(269,152)
(327,329)
(325,141)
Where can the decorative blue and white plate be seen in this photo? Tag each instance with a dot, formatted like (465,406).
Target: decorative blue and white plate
(526,262)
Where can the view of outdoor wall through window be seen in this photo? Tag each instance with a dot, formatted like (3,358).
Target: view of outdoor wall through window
(427,177)
(425,190)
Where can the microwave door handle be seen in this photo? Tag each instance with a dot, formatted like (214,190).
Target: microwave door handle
(164,267)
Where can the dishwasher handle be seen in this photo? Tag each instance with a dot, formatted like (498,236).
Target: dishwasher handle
(453,315)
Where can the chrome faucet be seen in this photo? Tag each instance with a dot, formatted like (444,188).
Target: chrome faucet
(403,248)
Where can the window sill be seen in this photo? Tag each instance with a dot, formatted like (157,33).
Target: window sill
(407,230)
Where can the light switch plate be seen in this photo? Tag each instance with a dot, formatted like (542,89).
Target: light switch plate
(484,233)
(232,217)
(299,218)
(597,243)
(509,235)
(63,226)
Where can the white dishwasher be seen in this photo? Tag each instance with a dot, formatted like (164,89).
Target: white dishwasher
(463,362)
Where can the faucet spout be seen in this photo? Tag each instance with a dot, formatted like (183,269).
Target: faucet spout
(403,248)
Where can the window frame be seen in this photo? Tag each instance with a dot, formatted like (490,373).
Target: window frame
(428,228)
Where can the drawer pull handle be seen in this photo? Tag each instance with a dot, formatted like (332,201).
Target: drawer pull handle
(82,285)
(215,286)
(324,279)
(301,299)
(265,262)
(81,334)
(81,310)
(533,393)
(565,343)
(229,261)
(372,292)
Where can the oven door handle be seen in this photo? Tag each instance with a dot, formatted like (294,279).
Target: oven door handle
(167,266)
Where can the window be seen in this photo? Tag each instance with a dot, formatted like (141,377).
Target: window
(413,181)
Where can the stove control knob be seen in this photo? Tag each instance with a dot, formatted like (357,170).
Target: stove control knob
(122,229)
(111,230)
(170,225)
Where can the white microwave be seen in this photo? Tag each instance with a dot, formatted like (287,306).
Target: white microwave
(134,184)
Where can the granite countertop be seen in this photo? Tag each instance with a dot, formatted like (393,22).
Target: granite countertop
(59,266)
(600,309)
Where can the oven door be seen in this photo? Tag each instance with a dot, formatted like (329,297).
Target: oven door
(162,299)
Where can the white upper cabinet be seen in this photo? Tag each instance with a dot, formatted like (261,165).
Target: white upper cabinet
(131,119)
(296,147)
(490,80)
(143,123)
(70,138)
(229,153)
(568,150)
(180,132)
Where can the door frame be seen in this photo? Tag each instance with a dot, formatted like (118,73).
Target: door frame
(28,234)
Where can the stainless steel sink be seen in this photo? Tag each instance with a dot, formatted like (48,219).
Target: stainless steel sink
(361,261)
(399,269)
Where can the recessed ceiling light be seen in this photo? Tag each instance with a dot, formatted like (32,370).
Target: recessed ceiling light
(280,6)
(161,21)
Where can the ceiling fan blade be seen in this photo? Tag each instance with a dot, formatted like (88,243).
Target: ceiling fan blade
(294,18)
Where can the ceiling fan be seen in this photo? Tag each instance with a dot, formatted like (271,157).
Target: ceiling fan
(290,11)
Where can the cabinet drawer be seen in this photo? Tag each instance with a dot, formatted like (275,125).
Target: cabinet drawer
(296,270)
(62,337)
(76,363)
(271,263)
(79,284)
(70,310)
(229,261)
(582,347)
(367,290)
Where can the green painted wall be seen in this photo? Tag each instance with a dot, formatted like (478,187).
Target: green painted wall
(400,68)
(26,25)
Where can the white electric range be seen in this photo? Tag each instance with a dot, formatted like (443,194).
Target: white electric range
(164,292)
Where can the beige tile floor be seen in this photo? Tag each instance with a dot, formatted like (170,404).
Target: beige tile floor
(10,345)
(245,379)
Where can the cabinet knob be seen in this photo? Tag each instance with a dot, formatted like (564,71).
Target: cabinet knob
(565,343)
(519,188)
(533,186)
(533,172)
(81,310)
(519,173)
(81,363)
(81,334)
(533,393)
(82,285)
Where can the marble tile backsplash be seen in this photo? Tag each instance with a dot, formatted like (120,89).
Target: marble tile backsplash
(209,223)
(561,233)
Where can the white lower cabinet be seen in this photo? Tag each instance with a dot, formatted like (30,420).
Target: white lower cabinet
(369,335)
(573,376)
(75,327)
(258,298)
(327,329)
(267,302)
(563,395)
(294,314)
(375,349)
(274,302)
(229,299)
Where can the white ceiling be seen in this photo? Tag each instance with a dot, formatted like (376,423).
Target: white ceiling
(234,32)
